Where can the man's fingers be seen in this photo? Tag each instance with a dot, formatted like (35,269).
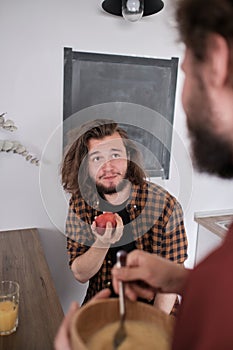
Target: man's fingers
(128,274)
(142,292)
(62,340)
(134,286)
(134,290)
(103,294)
(119,221)
(130,293)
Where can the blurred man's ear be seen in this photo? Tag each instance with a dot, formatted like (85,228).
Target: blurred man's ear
(218,56)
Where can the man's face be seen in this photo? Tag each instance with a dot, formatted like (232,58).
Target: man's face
(107,163)
(212,149)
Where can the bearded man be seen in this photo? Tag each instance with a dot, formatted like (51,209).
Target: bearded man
(103,172)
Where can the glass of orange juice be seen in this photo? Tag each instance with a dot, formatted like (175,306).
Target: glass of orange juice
(9,307)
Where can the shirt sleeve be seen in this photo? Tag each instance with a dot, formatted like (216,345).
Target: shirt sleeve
(79,234)
(174,240)
(75,249)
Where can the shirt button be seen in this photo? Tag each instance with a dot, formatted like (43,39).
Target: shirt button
(109,262)
(108,284)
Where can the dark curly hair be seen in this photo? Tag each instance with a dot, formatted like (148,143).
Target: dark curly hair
(76,177)
(196,19)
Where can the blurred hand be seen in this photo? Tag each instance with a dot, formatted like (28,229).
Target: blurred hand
(62,339)
(148,273)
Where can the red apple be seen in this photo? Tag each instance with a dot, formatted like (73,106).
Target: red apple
(102,220)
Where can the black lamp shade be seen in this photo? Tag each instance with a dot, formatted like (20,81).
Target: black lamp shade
(150,7)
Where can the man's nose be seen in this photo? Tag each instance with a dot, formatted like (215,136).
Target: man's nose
(107,165)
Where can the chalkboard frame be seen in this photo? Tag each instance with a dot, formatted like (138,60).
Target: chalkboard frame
(169,66)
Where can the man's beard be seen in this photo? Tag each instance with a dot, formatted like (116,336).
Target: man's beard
(102,190)
(211,154)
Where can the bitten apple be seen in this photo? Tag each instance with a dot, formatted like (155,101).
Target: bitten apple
(101,222)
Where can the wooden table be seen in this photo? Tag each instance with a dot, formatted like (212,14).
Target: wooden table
(40,312)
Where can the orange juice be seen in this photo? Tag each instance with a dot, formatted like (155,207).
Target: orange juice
(8,315)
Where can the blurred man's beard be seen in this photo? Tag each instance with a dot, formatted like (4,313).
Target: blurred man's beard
(210,153)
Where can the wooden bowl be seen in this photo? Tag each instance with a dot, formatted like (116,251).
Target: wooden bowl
(97,314)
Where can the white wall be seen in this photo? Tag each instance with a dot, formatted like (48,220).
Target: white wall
(33,35)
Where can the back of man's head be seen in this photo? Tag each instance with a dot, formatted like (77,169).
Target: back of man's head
(197,19)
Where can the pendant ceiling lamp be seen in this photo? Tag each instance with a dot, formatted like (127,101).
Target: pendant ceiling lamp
(132,10)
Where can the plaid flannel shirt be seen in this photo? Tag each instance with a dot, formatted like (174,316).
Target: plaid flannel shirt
(157,227)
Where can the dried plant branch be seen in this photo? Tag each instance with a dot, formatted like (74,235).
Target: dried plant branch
(14,146)
(7,124)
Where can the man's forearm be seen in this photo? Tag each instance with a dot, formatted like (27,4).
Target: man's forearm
(88,264)
(178,279)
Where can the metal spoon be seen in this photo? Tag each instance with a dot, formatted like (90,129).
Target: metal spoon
(121,332)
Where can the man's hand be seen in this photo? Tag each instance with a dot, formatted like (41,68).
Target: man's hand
(148,273)
(62,339)
(111,235)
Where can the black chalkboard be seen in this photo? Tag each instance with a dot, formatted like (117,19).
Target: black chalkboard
(92,79)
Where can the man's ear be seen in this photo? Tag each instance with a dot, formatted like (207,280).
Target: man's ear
(218,56)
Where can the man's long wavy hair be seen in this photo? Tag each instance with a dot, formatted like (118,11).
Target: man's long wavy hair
(74,171)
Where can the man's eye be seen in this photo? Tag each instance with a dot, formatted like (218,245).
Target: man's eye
(116,155)
(96,159)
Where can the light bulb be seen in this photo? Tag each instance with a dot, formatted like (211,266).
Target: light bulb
(132,10)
